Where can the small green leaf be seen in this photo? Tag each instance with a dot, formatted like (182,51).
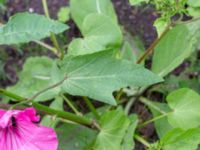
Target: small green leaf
(113,129)
(185,104)
(63,14)
(35,76)
(137,2)
(162,125)
(128,143)
(160,24)
(100,33)
(25,27)
(74,137)
(99,74)
(82,8)
(174,47)
(178,139)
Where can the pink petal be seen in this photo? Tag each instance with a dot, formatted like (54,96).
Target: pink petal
(24,134)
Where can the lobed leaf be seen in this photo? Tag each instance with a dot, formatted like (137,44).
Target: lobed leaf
(99,74)
(185,104)
(100,33)
(26,27)
(178,139)
(113,128)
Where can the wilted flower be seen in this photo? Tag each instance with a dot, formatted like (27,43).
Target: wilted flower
(19,131)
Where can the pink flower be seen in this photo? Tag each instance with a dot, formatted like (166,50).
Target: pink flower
(19,131)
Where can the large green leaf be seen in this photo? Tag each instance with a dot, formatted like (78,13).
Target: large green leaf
(128,143)
(36,76)
(178,139)
(185,104)
(100,33)
(99,74)
(82,8)
(162,125)
(174,47)
(74,137)
(25,27)
(113,129)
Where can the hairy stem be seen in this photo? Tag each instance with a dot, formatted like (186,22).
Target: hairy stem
(152,120)
(47,110)
(142,140)
(91,107)
(71,105)
(46,89)
(153,45)
(53,37)
(54,50)
(152,105)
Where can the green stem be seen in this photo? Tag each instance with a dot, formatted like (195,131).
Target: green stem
(119,94)
(53,37)
(153,45)
(91,107)
(47,110)
(54,50)
(152,120)
(129,105)
(48,88)
(152,105)
(142,140)
(71,105)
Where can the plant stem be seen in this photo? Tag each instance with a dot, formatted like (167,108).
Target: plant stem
(152,120)
(153,45)
(53,37)
(152,105)
(54,50)
(46,89)
(71,105)
(119,94)
(142,140)
(128,105)
(91,107)
(47,110)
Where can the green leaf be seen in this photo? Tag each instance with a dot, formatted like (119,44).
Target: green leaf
(195,12)
(25,27)
(178,139)
(47,120)
(137,2)
(174,47)
(127,53)
(74,137)
(36,76)
(81,9)
(161,24)
(113,129)
(100,33)
(99,74)
(185,104)
(194,3)
(63,14)
(162,125)
(128,143)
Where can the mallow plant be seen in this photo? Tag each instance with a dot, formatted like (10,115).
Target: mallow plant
(102,66)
